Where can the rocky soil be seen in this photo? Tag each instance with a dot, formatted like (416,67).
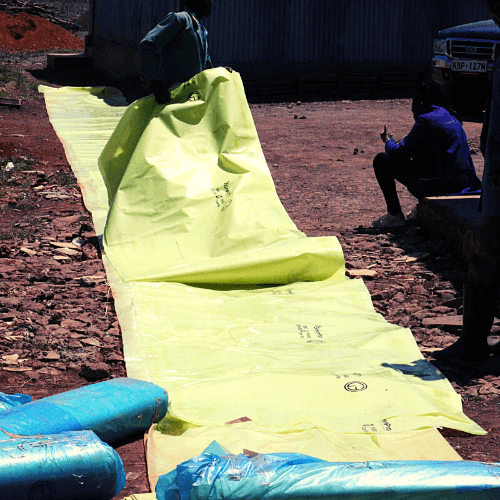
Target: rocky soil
(58,327)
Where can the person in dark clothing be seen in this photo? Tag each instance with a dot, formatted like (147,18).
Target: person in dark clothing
(480,290)
(432,160)
(176,49)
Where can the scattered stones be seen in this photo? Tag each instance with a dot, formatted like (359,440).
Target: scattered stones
(416,256)
(95,371)
(90,341)
(56,311)
(361,273)
(28,251)
(443,321)
(50,356)
(67,251)
(72,324)
(114,358)
(61,258)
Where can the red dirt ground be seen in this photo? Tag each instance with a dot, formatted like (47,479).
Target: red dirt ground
(25,32)
(58,328)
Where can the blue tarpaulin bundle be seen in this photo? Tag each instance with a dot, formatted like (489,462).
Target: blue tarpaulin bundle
(66,466)
(113,409)
(295,476)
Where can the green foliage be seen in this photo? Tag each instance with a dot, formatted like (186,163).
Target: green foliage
(10,74)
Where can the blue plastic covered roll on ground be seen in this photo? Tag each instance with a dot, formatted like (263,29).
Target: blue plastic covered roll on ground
(66,466)
(114,410)
(283,476)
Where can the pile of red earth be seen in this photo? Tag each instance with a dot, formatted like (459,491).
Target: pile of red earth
(26,32)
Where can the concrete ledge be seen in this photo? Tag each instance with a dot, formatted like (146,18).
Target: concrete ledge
(69,61)
(453,218)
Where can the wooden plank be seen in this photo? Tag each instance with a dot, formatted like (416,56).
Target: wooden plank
(14,103)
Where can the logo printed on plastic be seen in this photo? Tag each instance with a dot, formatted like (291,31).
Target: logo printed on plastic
(222,194)
(225,205)
(387,425)
(194,96)
(346,375)
(315,338)
(370,428)
(288,291)
(356,386)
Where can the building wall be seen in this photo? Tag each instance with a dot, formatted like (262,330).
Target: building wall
(290,38)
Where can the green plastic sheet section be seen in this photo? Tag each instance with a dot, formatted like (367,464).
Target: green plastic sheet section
(192,199)
(285,358)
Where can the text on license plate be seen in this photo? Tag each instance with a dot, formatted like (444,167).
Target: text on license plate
(474,66)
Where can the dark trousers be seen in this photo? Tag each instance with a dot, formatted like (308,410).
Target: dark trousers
(484,266)
(388,171)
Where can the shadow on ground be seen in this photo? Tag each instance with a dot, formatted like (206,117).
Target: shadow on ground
(132,88)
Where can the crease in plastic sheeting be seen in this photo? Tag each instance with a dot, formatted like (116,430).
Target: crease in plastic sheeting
(192,199)
(283,357)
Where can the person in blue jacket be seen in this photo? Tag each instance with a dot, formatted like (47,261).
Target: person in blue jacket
(176,49)
(432,160)
(480,290)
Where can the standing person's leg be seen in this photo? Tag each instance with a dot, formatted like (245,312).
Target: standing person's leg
(387,172)
(480,293)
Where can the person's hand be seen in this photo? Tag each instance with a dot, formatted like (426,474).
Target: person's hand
(385,136)
(495,180)
(161,92)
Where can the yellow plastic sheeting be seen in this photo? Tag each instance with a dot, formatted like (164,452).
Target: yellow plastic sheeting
(297,356)
(165,452)
(192,199)
(84,118)
(285,358)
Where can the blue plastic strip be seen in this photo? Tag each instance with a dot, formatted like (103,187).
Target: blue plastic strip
(283,476)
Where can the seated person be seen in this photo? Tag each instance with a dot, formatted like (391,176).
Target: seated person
(432,160)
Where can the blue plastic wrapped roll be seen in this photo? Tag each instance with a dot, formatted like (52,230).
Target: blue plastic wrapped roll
(10,400)
(113,409)
(283,476)
(67,466)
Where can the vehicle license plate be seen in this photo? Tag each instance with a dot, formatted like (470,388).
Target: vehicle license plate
(470,66)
